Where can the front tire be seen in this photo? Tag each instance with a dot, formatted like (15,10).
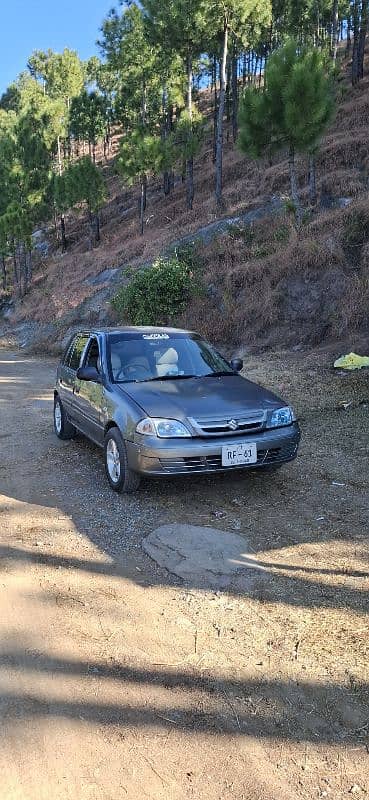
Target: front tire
(62,427)
(121,478)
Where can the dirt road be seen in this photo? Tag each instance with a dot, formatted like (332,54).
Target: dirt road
(118,680)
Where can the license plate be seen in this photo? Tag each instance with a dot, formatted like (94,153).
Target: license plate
(235,454)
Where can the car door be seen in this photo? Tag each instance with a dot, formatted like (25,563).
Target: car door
(88,395)
(68,369)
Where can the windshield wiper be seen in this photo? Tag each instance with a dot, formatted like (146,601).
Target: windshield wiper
(122,383)
(218,374)
(167,378)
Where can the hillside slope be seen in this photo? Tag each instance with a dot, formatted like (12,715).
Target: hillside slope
(265,283)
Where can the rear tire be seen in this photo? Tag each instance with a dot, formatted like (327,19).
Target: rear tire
(62,427)
(121,478)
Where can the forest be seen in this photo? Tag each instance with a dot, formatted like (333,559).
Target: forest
(271,67)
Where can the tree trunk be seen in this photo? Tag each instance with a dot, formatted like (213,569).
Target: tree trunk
(170,129)
(318,26)
(312,180)
(3,272)
(219,151)
(189,166)
(64,242)
(19,254)
(293,182)
(15,267)
(228,92)
(234,94)
(189,183)
(166,182)
(335,31)
(348,42)
(143,202)
(244,68)
(260,70)
(28,263)
(215,113)
(97,228)
(94,226)
(249,63)
(362,37)
(90,227)
(164,136)
(256,66)
(356,32)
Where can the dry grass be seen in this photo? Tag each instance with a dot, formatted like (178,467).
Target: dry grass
(277,286)
(252,279)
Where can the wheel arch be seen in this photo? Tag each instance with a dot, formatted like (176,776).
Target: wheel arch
(109,425)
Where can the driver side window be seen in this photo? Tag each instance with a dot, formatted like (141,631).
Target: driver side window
(92,357)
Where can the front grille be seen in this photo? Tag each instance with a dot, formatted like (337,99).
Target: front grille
(276,455)
(242,422)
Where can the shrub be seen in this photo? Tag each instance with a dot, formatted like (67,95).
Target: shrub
(357,228)
(356,233)
(244,232)
(282,233)
(156,294)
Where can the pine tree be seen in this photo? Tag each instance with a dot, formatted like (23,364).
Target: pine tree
(243,18)
(141,155)
(88,119)
(81,182)
(293,111)
(180,26)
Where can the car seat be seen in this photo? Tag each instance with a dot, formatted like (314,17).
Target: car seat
(167,364)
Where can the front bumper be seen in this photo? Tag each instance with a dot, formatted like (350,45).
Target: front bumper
(194,456)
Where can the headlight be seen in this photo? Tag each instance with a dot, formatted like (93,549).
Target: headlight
(164,428)
(282,416)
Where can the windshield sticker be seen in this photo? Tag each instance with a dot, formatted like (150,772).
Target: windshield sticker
(155,336)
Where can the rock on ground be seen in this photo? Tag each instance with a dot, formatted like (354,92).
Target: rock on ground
(207,556)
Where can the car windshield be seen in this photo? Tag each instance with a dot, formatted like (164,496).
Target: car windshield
(148,357)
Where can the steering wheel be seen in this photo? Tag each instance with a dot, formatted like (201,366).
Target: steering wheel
(133,371)
(120,375)
(137,371)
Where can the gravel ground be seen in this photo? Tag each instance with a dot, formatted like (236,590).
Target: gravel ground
(120,680)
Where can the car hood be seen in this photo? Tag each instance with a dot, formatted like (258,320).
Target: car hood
(201,397)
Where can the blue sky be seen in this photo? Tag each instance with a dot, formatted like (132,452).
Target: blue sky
(28,25)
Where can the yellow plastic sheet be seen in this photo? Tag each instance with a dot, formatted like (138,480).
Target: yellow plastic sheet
(352,361)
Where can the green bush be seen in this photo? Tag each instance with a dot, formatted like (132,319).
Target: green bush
(244,232)
(356,232)
(158,293)
(282,234)
(289,206)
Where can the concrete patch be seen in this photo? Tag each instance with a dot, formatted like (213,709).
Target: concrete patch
(206,557)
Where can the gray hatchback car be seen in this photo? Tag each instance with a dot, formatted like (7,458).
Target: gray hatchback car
(162,401)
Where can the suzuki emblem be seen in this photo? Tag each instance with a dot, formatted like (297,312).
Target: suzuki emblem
(233,425)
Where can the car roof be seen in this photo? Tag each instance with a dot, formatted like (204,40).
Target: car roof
(131,330)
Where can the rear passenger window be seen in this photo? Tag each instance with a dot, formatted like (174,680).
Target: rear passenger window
(68,353)
(74,356)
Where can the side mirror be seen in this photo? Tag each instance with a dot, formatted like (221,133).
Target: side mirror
(237,364)
(88,374)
